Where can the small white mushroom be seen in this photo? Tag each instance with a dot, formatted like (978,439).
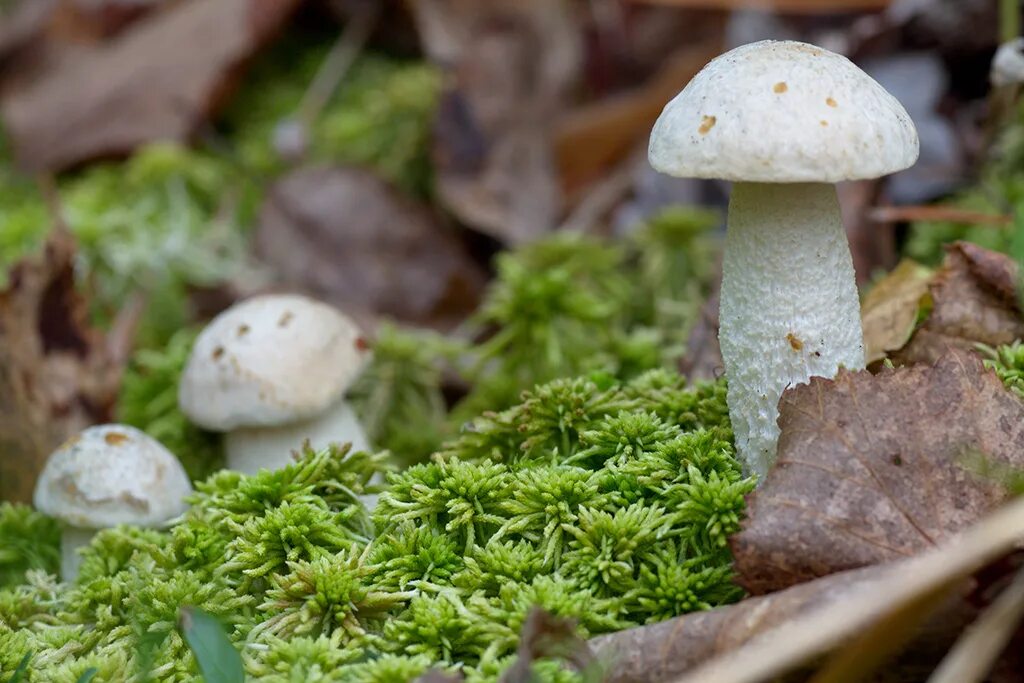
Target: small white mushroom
(1008,64)
(109,475)
(784,121)
(271,372)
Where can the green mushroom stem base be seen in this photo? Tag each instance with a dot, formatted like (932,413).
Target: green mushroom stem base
(789,305)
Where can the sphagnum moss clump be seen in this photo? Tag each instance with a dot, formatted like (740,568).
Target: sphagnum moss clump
(609,505)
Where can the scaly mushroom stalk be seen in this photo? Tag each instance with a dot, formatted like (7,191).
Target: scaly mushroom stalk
(789,305)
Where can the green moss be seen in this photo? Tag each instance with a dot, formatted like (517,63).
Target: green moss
(1008,363)
(380,116)
(28,540)
(398,397)
(165,218)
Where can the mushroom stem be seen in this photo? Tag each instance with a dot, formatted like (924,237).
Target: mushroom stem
(72,539)
(789,304)
(250,449)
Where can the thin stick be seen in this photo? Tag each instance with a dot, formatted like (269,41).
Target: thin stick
(972,657)
(339,60)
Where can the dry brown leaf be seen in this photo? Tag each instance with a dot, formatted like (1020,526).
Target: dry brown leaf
(934,212)
(508,65)
(974,299)
(889,311)
(661,651)
(346,236)
(23,24)
(974,655)
(160,80)
(869,469)
(591,139)
(786,6)
(866,609)
(56,374)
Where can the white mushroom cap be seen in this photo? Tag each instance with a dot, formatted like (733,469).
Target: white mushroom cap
(1008,64)
(109,475)
(783,112)
(268,361)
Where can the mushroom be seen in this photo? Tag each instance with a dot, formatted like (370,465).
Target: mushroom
(271,372)
(108,475)
(784,121)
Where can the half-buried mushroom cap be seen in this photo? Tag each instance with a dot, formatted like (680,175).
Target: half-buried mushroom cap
(783,112)
(110,475)
(268,361)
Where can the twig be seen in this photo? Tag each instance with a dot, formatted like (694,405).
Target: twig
(51,196)
(891,214)
(121,337)
(602,197)
(339,60)
(974,654)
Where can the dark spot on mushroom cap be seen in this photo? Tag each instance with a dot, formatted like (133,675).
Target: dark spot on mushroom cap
(218,353)
(831,102)
(780,87)
(362,344)
(897,460)
(115,438)
(243,330)
(824,122)
(706,124)
(794,342)
(286,318)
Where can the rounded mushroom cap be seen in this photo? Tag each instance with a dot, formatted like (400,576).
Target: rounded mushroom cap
(109,475)
(268,361)
(783,112)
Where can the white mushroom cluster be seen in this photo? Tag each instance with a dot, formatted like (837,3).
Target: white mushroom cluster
(271,372)
(784,121)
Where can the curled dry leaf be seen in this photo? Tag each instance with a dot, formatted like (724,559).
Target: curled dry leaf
(508,65)
(904,591)
(160,80)
(870,469)
(346,236)
(593,138)
(56,374)
(889,311)
(974,299)
(661,651)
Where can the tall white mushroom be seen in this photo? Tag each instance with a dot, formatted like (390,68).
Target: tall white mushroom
(109,475)
(784,121)
(271,372)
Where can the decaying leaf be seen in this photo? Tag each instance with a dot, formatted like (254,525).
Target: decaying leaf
(974,655)
(346,236)
(889,311)
(591,139)
(662,651)
(22,23)
(868,607)
(56,374)
(869,469)
(545,635)
(974,299)
(784,6)
(160,80)
(508,64)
